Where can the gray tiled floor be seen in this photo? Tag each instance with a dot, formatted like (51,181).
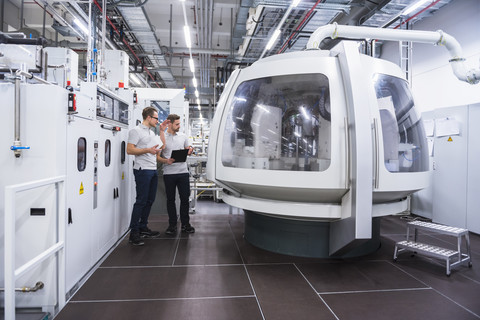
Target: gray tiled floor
(216,274)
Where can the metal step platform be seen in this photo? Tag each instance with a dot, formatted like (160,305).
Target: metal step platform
(452,258)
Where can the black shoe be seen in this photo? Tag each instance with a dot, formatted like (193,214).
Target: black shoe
(147,233)
(188,229)
(135,239)
(171,230)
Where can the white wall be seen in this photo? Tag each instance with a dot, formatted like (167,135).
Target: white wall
(433,82)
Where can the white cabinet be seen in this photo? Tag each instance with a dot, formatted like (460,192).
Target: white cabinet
(454,195)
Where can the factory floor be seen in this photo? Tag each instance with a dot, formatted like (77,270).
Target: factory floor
(216,274)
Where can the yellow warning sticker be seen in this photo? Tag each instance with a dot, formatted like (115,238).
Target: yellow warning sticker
(123,175)
(450,139)
(81,187)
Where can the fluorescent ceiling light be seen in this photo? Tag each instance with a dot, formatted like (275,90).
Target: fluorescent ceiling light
(198,101)
(196,93)
(188,41)
(192,66)
(135,79)
(295,3)
(81,25)
(273,39)
(414,7)
(194,80)
(199,108)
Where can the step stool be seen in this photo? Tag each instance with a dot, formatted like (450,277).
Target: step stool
(433,251)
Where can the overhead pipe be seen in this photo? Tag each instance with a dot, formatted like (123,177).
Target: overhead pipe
(197,18)
(203,15)
(21,14)
(2,13)
(210,41)
(439,37)
(170,38)
(5,38)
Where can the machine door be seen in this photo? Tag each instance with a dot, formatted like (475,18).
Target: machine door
(282,135)
(402,159)
(104,213)
(123,203)
(80,198)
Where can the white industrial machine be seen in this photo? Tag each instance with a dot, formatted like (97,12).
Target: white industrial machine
(76,137)
(316,145)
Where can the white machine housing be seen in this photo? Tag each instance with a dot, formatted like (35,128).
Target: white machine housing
(116,68)
(88,146)
(62,66)
(352,146)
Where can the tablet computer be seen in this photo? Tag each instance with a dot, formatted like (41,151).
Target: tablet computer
(180,155)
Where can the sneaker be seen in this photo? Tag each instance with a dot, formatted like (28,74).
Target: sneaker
(188,229)
(135,239)
(171,230)
(147,233)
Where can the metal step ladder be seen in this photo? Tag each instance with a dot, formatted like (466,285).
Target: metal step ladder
(452,258)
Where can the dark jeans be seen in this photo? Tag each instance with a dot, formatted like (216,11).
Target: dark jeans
(182,182)
(146,185)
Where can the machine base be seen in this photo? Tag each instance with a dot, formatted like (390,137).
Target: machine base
(299,237)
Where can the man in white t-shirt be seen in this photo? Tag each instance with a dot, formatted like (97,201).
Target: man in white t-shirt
(176,176)
(145,146)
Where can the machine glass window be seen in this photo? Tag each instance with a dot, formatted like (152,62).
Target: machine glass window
(123,153)
(81,154)
(107,152)
(123,112)
(279,123)
(404,142)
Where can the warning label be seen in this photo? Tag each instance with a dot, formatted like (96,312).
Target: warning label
(81,188)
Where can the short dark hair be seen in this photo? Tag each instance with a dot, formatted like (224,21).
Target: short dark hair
(172,117)
(148,111)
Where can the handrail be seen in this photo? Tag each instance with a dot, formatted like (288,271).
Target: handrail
(10,273)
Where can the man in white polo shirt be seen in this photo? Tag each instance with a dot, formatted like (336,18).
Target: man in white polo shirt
(176,176)
(145,145)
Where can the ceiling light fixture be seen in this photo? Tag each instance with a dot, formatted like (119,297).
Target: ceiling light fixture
(277,31)
(198,101)
(192,66)
(414,7)
(81,26)
(135,79)
(188,41)
(273,39)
